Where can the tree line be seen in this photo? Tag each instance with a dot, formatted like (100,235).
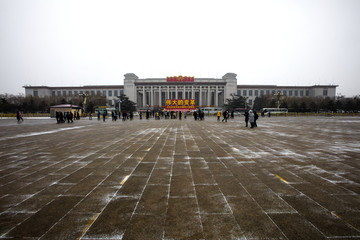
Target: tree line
(298,104)
(29,104)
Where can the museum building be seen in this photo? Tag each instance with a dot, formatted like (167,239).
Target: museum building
(149,93)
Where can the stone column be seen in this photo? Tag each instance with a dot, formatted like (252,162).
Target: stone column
(176,92)
(209,97)
(192,92)
(160,96)
(144,97)
(216,97)
(200,97)
(152,96)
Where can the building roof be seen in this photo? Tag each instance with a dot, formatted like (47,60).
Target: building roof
(275,86)
(66,106)
(80,87)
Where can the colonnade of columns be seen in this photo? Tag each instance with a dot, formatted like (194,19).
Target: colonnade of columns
(203,98)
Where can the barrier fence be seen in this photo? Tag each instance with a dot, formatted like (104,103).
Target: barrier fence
(321,114)
(13,115)
(290,114)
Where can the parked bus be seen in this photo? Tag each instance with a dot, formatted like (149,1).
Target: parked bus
(104,109)
(266,111)
(211,110)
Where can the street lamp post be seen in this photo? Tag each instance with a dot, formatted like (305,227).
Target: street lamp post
(84,101)
(246,98)
(278,95)
(119,103)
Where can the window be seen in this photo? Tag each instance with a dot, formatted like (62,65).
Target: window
(116,93)
(104,93)
(238,92)
(325,92)
(250,92)
(64,93)
(53,93)
(296,93)
(70,93)
(76,93)
(121,92)
(92,93)
(284,92)
(301,93)
(36,93)
(307,93)
(244,92)
(250,102)
(81,92)
(273,92)
(267,92)
(197,97)
(110,93)
(261,92)
(87,92)
(58,93)
(256,93)
(98,92)
(212,98)
(110,102)
(290,92)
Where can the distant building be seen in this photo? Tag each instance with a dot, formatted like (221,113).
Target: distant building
(153,92)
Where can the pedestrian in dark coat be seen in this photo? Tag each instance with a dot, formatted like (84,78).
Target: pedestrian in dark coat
(256,116)
(246,114)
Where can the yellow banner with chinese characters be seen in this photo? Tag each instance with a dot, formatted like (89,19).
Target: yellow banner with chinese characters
(182,104)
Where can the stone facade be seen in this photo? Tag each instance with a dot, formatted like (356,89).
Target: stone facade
(153,92)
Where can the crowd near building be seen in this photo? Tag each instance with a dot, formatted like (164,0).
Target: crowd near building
(150,93)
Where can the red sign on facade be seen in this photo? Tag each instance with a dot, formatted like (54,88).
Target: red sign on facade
(180,79)
(180,104)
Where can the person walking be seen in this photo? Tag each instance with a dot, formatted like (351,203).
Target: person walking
(225,116)
(70,117)
(246,114)
(104,115)
(251,118)
(180,113)
(19,116)
(218,116)
(256,116)
(57,117)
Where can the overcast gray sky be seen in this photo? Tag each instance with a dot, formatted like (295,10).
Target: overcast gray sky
(73,43)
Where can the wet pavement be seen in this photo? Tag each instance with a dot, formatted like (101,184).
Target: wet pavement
(290,178)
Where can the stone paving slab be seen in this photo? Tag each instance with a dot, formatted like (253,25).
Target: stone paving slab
(290,178)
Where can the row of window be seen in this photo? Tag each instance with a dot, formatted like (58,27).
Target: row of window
(106,93)
(296,93)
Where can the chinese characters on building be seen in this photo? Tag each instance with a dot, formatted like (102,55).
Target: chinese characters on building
(180,104)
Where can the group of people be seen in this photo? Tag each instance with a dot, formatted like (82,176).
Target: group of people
(251,116)
(66,116)
(199,115)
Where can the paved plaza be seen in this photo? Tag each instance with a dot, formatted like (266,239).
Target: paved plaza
(289,178)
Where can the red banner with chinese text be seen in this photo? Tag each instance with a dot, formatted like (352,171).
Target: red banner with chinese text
(180,79)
